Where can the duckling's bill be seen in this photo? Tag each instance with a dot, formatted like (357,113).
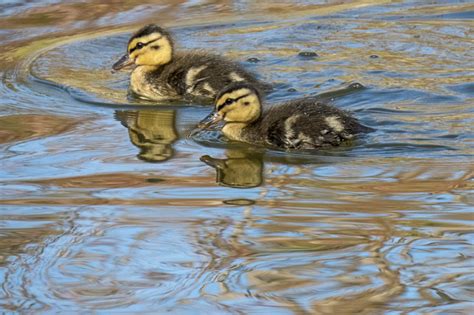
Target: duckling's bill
(123,62)
(211,120)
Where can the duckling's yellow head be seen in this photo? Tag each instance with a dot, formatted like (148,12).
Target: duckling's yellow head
(237,103)
(150,46)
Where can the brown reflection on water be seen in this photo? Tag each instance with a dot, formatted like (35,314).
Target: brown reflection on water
(13,242)
(375,299)
(24,127)
(122,180)
(324,252)
(425,176)
(364,243)
(246,279)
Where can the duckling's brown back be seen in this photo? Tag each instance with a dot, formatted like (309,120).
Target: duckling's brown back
(202,75)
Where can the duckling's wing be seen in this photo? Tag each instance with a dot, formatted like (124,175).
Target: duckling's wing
(202,74)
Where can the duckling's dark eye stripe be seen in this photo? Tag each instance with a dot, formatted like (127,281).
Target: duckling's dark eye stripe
(233,101)
(143,44)
(220,107)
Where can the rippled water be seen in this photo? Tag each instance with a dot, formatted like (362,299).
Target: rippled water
(107,204)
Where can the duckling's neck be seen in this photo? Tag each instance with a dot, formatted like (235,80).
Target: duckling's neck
(140,84)
(233,130)
(243,131)
(144,68)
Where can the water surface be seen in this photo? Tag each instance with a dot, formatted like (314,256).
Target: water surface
(108,205)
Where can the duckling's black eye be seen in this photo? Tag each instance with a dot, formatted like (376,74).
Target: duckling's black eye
(226,103)
(139,45)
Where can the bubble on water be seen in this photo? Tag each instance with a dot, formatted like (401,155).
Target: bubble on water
(356,85)
(154,180)
(308,54)
(253,60)
(239,202)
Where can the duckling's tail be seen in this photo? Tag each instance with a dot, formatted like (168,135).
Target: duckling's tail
(266,88)
(364,129)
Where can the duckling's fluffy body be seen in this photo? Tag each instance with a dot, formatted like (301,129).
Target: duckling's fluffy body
(301,124)
(189,75)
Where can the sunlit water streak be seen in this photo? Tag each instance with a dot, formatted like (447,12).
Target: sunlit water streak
(109,204)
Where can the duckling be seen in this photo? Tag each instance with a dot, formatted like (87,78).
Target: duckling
(162,74)
(301,124)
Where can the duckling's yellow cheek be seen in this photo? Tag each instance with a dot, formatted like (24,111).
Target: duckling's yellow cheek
(141,60)
(148,59)
(227,113)
(133,55)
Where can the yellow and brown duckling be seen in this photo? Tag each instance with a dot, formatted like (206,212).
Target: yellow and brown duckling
(300,124)
(163,74)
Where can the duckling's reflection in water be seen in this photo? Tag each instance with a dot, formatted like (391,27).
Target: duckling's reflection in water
(240,169)
(152,131)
